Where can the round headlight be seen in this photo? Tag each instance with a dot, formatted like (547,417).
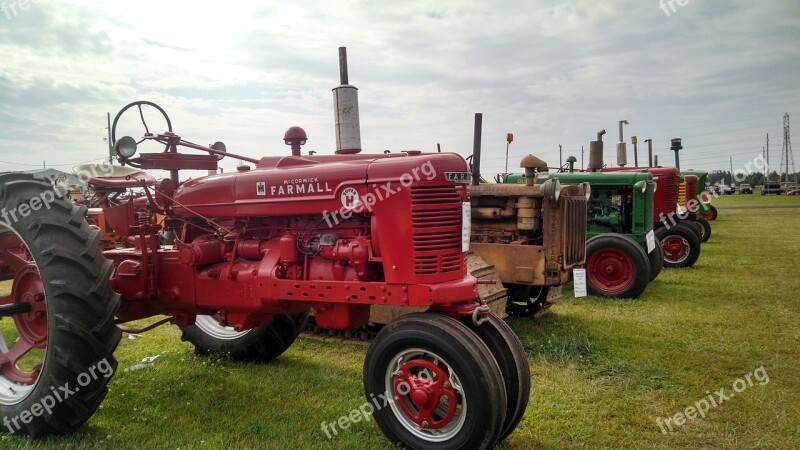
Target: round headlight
(587,189)
(552,189)
(125,147)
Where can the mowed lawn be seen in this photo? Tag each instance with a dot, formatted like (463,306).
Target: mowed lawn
(603,371)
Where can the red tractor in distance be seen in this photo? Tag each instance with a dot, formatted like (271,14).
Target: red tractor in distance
(253,252)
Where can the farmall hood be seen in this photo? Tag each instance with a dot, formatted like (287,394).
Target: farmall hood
(303,185)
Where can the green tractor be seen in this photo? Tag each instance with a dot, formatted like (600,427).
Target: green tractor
(619,262)
(706,210)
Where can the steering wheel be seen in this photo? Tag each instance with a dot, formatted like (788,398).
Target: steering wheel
(146,129)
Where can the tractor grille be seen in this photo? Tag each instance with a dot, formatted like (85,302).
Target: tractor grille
(436,229)
(576,210)
(666,195)
(682,195)
(691,191)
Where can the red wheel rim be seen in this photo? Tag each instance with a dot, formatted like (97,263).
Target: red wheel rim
(29,338)
(425,394)
(611,270)
(427,397)
(676,248)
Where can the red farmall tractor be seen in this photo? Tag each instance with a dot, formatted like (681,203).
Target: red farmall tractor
(251,253)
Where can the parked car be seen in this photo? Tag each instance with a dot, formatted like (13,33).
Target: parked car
(794,192)
(771,187)
(722,189)
(745,188)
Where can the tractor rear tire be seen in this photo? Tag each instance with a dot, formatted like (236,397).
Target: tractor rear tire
(68,337)
(261,344)
(434,384)
(656,260)
(705,234)
(513,361)
(680,245)
(616,266)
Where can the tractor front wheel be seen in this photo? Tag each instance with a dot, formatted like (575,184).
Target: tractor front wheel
(656,260)
(712,212)
(510,355)
(434,383)
(705,229)
(262,344)
(680,245)
(616,266)
(57,333)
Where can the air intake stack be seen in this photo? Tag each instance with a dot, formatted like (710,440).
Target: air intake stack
(345,110)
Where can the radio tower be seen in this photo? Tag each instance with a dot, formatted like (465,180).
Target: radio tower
(787,158)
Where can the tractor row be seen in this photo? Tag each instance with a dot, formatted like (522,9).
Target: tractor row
(416,246)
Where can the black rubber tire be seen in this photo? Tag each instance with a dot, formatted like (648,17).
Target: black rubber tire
(513,361)
(80,307)
(690,241)
(695,227)
(624,251)
(656,260)
(705,229)
(261,344)
(466,356)
(527,301)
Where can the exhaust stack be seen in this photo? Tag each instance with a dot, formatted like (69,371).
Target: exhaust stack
(676,147)
(476,149)
(596,152)
(345,110)
(622,150)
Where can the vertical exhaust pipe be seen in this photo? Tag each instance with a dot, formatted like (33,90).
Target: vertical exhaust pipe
(476,149)
(676,147)
(649,152)
(345,110)
(596,152)
(622,150)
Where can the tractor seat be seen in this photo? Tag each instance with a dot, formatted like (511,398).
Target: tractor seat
(113,177)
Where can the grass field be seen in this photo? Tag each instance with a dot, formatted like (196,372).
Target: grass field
(603,371)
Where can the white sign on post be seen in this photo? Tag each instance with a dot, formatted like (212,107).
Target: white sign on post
(651,241)
(579,282)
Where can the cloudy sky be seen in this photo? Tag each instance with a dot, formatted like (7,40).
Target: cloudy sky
(718,74)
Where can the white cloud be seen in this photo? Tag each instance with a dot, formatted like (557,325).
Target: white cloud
(551,72)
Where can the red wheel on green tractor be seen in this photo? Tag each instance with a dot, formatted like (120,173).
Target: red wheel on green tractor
(680,245)
(434,383)
(60,330)
(711,214)
(616,266)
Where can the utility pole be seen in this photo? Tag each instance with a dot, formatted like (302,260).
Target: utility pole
(767,176)
(786,154)
(731,183)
